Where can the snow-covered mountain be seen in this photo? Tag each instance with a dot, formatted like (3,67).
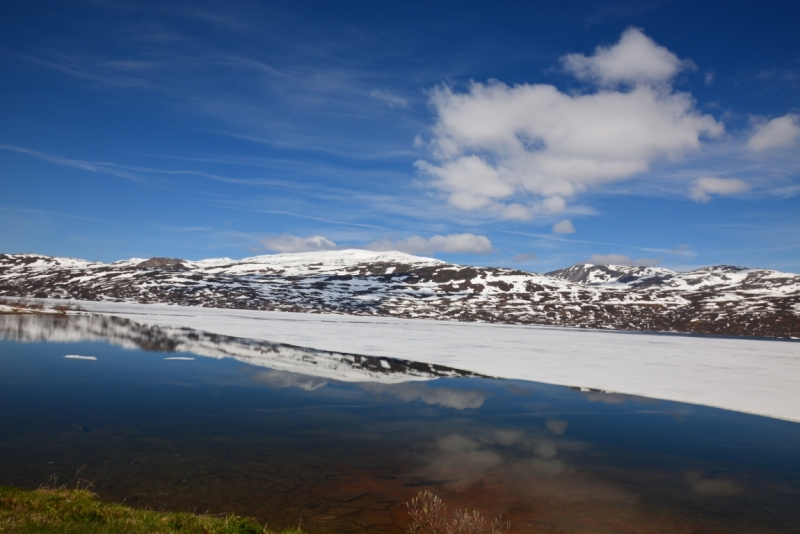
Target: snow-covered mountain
(718,278)
(719,300)
(612,275)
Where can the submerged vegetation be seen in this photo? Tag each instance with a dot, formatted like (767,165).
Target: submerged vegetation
(69,511)
(429,516)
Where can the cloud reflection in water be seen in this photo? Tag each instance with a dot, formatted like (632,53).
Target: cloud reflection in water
(457,399)
(286,379)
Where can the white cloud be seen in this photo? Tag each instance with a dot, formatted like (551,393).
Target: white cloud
(780,132)
(291,243)
(563,227)
(634,60)
(390,99)
(452,243)
(528,149)
(703,188)
(621,259)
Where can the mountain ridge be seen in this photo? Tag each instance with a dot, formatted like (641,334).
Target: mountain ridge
(715,300)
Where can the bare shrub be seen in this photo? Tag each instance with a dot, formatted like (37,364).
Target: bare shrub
(64,308)
(35,305)
(26,304)
(429,516)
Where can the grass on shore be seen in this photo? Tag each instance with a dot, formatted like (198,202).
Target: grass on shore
(73,511)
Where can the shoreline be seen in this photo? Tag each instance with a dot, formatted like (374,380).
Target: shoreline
(756,376)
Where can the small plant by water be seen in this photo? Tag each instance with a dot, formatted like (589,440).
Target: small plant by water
(74,511)
(429,516)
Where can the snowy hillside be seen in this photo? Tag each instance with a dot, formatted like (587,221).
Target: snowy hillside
(718,278)
(610,275)
(720,300)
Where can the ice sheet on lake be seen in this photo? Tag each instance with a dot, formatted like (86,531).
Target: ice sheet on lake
(748,375)
(79,357)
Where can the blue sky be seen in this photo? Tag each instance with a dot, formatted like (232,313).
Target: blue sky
(526,134)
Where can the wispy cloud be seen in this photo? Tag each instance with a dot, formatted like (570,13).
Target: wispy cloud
(60,214)
(131,172)
(388,98)
(266,93)
(91,166)
(102,72)
(680,250)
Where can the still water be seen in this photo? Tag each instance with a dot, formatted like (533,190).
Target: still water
(176,419)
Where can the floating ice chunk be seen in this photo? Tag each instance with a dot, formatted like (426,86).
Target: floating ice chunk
(79,357)
(183,358)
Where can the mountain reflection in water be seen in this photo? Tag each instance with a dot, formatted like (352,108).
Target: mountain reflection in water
(342,441)
(129,334)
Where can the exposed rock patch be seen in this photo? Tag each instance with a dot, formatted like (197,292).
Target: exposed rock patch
(166,264)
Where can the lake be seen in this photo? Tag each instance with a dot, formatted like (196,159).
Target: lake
(177,419)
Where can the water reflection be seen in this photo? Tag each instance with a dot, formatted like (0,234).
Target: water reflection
(609,397)
(459,399)
(283,433)
(279,356)
(286,379)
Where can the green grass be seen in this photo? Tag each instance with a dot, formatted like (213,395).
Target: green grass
(46,511)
